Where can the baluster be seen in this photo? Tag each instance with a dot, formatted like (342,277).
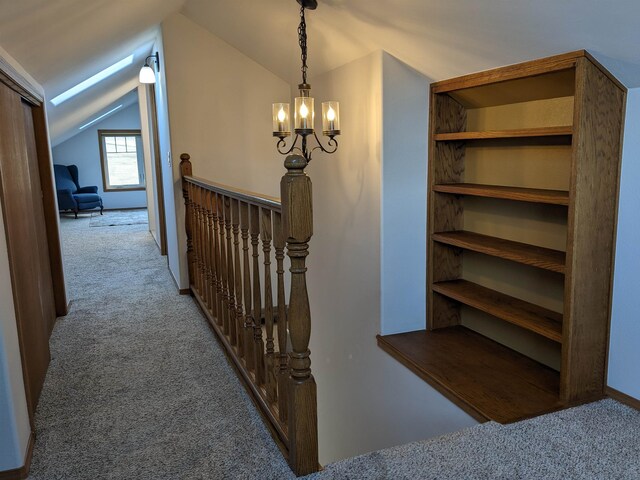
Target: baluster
(186,171)
(233,335)
(239,319)
(223,264)
(248,320)
(283,357)
(216,254)
(257,303)
(212,255)
(204,219)
(201,241)
(194,226)
(298,228)
(205,248)
(268,304)
(197,245)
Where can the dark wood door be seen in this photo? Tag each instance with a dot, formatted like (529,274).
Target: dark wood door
(45,285)
(25,230)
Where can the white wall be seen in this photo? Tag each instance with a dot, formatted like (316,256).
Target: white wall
(366,399)
(14,416)
(83,150)
(220,111)
(405,108)
(624,354)
(166,163)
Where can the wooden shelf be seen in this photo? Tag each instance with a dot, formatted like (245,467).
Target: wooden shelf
(513,310)
(476,128)
(499,134)
(488,380)
(533,195)
(540,257)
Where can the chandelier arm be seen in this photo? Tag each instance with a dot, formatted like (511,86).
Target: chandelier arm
(282,143)
(331,143)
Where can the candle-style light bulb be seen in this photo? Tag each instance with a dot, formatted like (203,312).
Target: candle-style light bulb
(304,115)
(331,118)
(281,125)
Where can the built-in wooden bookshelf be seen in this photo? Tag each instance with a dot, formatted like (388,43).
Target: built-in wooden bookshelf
(524,168)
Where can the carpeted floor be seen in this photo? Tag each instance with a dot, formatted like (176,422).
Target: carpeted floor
(139,389)
(599,441)
(110,218)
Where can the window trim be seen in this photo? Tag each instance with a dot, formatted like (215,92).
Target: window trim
(116,133)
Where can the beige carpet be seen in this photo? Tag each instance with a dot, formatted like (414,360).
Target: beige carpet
(111,218)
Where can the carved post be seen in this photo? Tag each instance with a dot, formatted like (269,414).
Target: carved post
(207,235)
(246,267)
(211,206)
(239,320)
(254,224)
(204,227)
(223,267)
(197,196)
(265,232)
(216,250)
(298,228)
(186,171)
(283,357)
(233,336)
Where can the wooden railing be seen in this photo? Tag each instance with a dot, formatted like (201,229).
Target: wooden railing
(225,227)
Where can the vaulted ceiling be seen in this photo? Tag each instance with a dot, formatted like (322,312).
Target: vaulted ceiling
(62,42)
(439,38)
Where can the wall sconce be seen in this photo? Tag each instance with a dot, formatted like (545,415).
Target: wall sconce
(147,75)
(304,114)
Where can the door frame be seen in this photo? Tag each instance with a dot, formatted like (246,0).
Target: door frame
(154,141)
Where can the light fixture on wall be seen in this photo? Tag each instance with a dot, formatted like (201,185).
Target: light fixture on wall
(304,114)
(147,74)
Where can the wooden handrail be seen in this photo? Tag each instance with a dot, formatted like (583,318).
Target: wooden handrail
(224,227)
(252,198)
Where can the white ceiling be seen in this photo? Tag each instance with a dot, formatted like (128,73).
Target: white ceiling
(439,38)
(62,42)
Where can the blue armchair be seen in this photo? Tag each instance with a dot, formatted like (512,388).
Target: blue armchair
(71,196)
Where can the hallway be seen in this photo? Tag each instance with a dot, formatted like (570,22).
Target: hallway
(137,386)
(139,389)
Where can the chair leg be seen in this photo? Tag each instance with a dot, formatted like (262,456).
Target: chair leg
(76,213)
(101,209)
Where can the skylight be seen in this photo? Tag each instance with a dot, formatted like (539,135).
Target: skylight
(100,117)
(98,77)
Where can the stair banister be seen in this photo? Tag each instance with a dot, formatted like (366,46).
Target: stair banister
(225,283)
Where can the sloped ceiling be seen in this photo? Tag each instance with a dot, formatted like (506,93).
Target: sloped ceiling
(439,38)
(62,42)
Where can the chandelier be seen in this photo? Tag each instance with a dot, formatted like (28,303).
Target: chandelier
(304,114)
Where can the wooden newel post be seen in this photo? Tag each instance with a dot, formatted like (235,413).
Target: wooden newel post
(187,171)
(297,222)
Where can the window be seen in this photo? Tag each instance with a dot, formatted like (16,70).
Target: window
(122,162)
(89,82)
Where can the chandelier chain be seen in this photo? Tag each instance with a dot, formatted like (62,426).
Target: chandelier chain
(302,39)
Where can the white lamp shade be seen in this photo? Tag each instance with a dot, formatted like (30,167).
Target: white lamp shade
(147,75)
